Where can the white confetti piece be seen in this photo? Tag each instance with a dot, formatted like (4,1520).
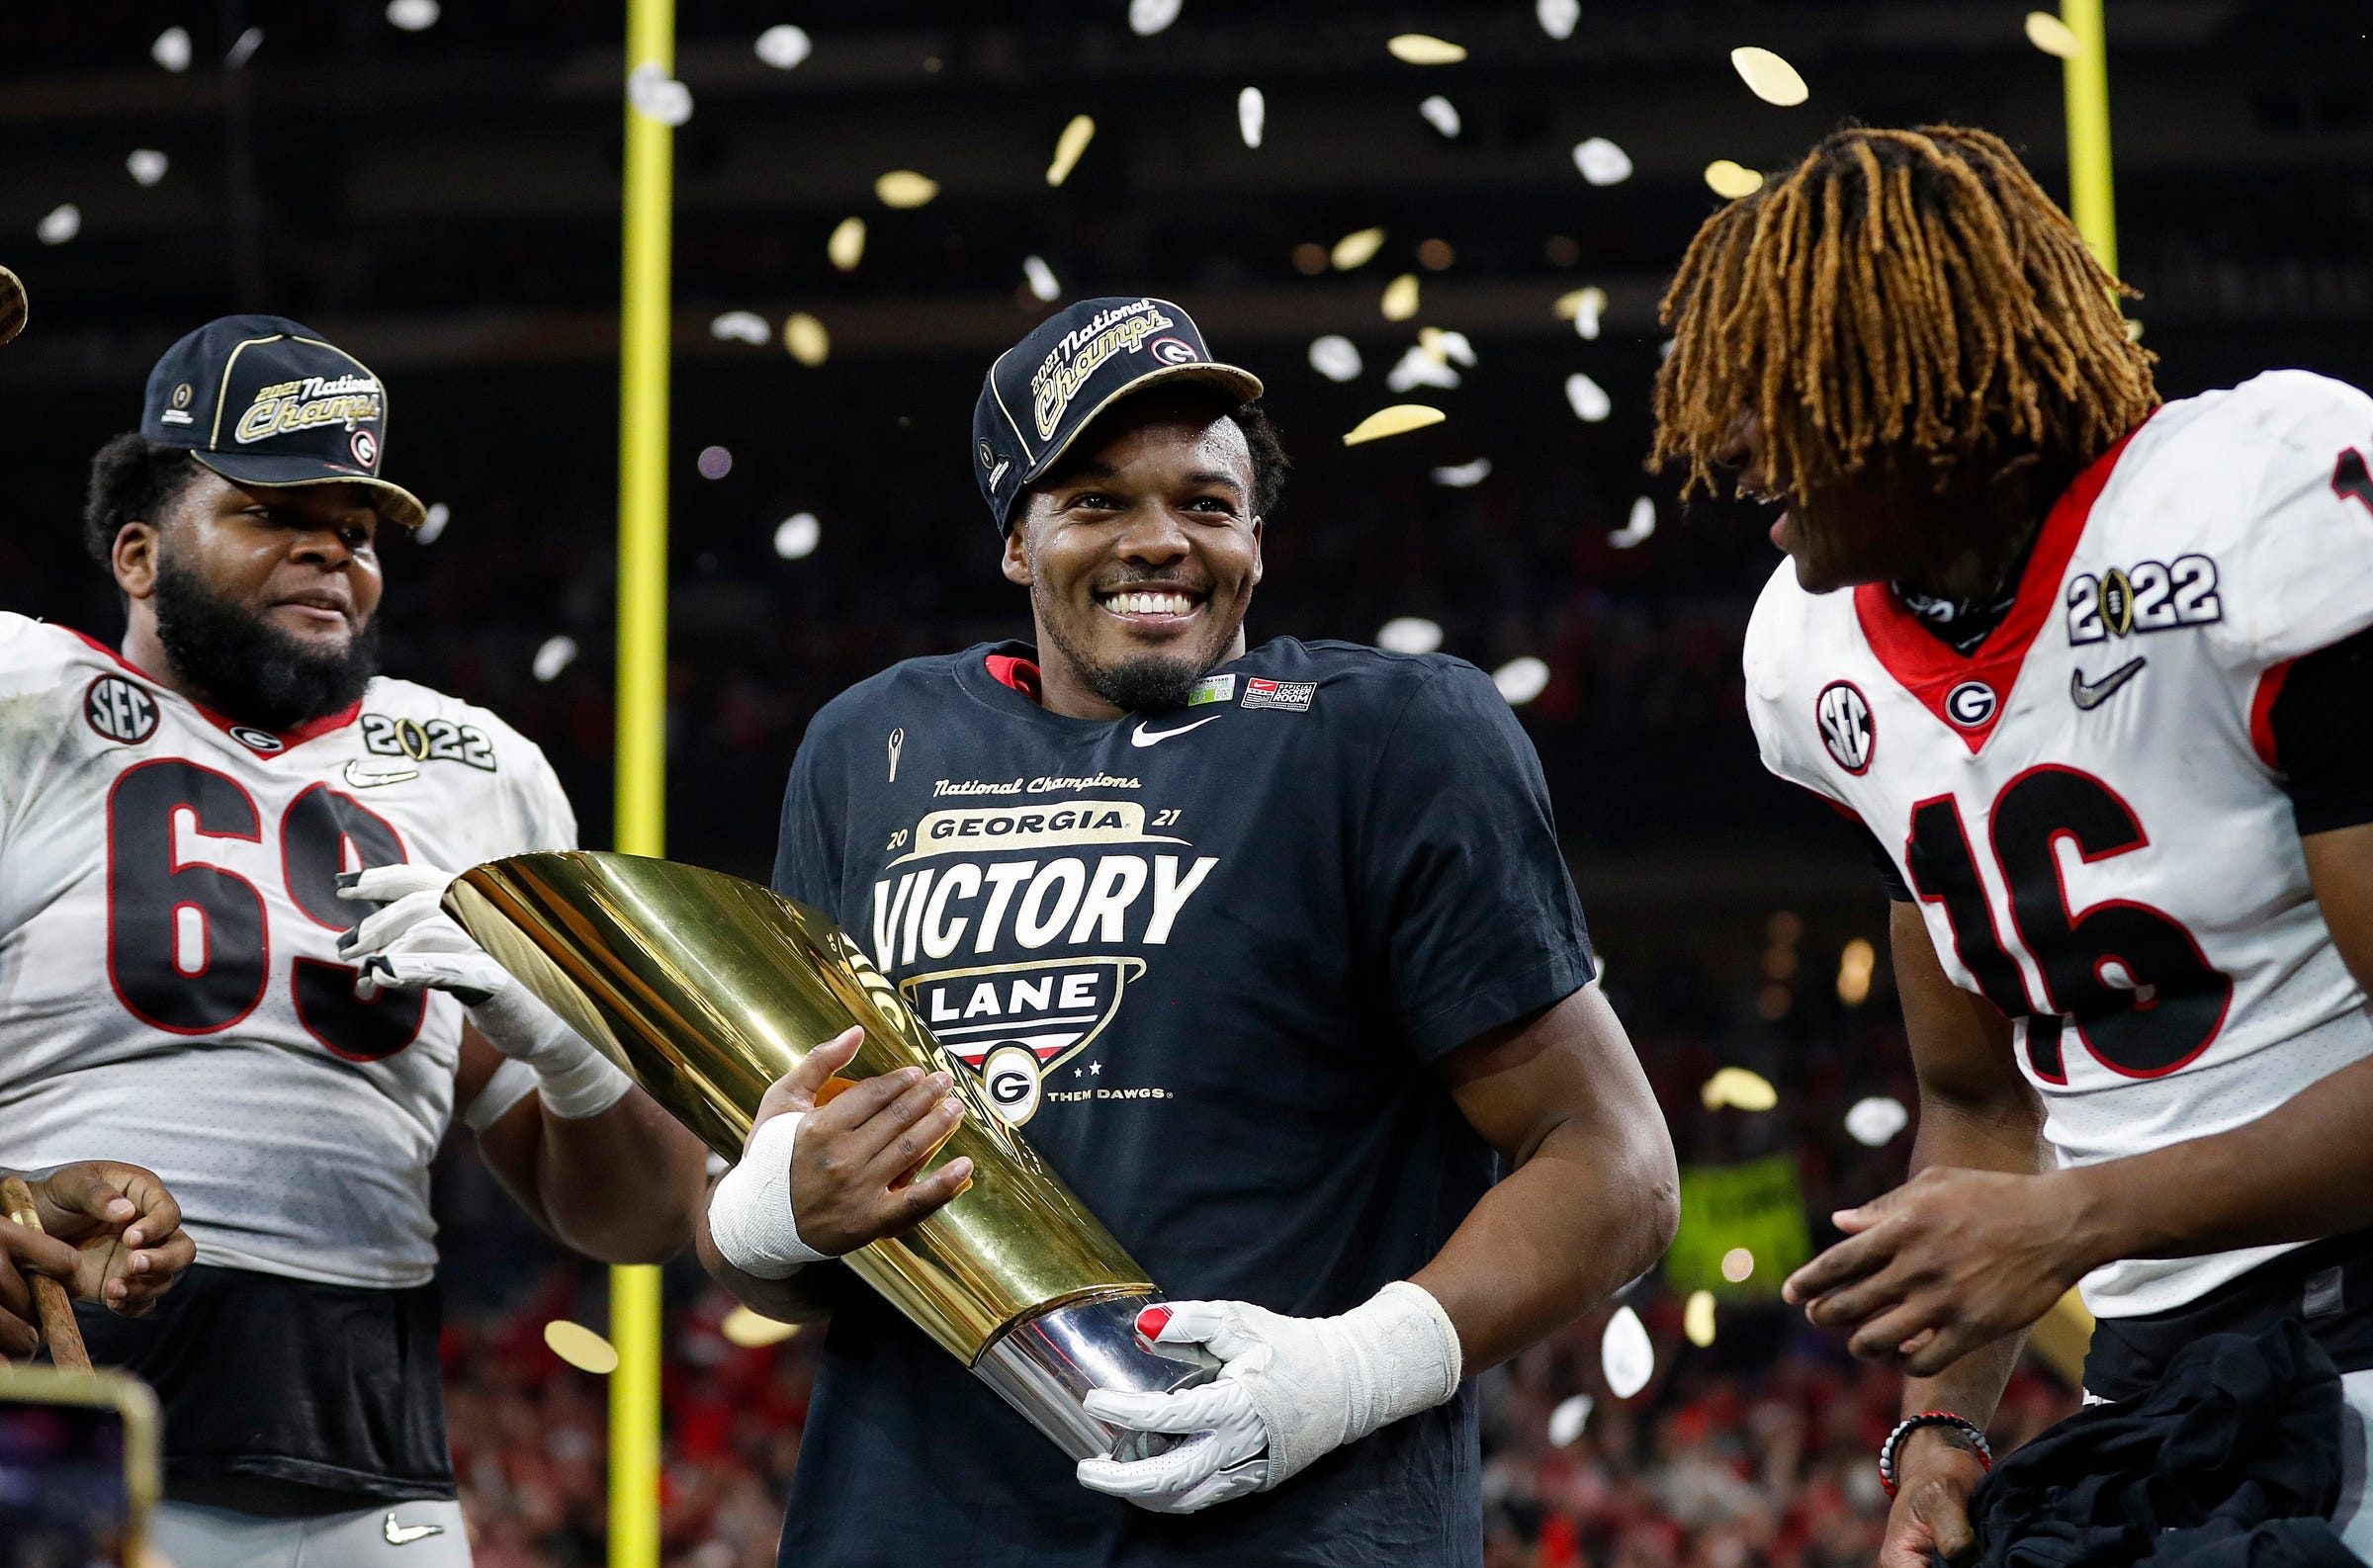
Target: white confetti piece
(1355,249)
(805,339)
(1584,307)
(797,534)
(904,188)
(1733,180)
(433,524)
(1874,1121)
(1149,17)
(582,1347)
(1441,114)
(147,165)
(1399,419)
(1739,1088)
(413,16)
(1252,115)
(1521,679)
(1068,148)
(1589,399)
(242,48)
(1409,634)
(1420,367)
(1447,345)
(846,248)
(739,326)
(1423,48)
(557,654)
(1638,528)
(60,224)
(1400,297)
(1335,357)
(171,50)
(1738,1265)
(1464,476)
(1626,1356)
(1601,162)
(2053,36)
(784,45)
(1041,279)
(1696,1318)
(1557,17)
(1769,77)
(1569,1419)
(657,96)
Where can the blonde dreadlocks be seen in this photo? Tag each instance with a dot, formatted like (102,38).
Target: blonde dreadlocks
(1905,301)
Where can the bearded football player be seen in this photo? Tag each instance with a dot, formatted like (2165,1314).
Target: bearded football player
(1271,953)
(188,824)
(2091,668)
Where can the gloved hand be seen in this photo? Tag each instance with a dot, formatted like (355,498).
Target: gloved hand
(1291,1389)
(410,942)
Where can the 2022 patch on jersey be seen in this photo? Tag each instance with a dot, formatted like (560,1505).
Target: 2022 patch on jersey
(2087,806)
(169,977)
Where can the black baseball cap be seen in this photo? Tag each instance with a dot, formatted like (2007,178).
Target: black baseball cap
(262,400)
(1079,362)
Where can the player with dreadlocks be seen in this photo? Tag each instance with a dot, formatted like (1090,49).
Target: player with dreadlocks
(2094,672)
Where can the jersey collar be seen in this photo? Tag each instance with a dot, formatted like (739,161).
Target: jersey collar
(1926,666)
(290,739)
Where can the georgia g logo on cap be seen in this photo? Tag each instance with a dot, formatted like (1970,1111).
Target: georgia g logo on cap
(1169,351)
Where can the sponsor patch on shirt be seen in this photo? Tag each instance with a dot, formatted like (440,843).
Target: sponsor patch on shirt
(1292,695)
(1213,688)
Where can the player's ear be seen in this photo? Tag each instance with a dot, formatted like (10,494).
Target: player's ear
(133,558)
(1016,564)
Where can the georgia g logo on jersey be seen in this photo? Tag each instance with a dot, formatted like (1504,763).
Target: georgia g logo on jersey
(1847,728)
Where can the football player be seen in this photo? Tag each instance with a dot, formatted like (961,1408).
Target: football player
(177,815)
(2092,670)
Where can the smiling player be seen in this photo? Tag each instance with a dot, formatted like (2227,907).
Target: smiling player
(1271,948)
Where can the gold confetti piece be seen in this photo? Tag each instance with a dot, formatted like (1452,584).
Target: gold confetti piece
(1769,77)
(806,338)
(904,188)
(2134,331)
(1740,1089)
(1354,250)
(1696,1318)
(1420,48)
(582,1347)
(1400,297)
(846,248)
(1399,419)
(1733,180)
(2051,34)
(1068,148)
(754,1331)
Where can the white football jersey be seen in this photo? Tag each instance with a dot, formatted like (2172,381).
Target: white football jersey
(2088,805)
(170,991)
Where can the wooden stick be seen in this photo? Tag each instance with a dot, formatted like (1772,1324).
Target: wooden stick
(49,1295)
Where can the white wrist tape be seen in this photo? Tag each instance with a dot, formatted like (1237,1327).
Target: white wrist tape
(750,1213)
(572,1074)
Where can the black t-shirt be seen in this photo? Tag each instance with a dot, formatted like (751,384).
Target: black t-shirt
(1210,957)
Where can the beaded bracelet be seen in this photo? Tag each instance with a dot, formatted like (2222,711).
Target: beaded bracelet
(1929,1418)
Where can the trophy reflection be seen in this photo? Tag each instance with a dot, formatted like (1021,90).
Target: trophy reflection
(707,989)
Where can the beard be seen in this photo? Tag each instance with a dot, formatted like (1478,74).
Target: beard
(1142,682)
(247,668)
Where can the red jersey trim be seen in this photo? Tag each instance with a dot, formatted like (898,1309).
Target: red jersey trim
(1009,669)
(1924,665)
(2261,712)
(290,739)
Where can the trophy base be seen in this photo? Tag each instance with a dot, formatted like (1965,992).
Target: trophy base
(1044,1367)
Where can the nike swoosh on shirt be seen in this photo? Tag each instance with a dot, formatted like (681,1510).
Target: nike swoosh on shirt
(1141,736)
(363,776)
(405,1535)
(2089,695)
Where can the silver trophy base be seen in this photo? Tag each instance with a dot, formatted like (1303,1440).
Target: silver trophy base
(1044,1367)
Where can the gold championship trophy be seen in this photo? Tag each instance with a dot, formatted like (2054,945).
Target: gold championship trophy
(707,989)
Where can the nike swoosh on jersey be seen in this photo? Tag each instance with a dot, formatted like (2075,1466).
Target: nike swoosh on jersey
(1141,736)
(2089,695)
(363,776)
(405,1535)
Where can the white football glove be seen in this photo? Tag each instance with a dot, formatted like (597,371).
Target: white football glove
(1291,1389)
(411,942)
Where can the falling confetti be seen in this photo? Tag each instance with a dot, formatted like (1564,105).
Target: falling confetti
(60,224)
(1590,401)
(1447,345)
(753,1331)
(1399,419)
(1738,1265)
(1740,1089)
(1696,1318)
(1419,367)
(433,524)
(2051,34)
(242,48)
(147,165)
(1733,180)
(413,16)
(1769,77)
(657,96)
(805,339)
(1441,114)
(714,463)
(1601,162)
(1874,1122)
(557,654)
(1521,679)
(1400,297)
(1149,17)
(1854,965)
(1584,307)
(1638,528)
(1465,476)
(1252,115)
(739,326)
(797,535)
(171,50)
(1335,357)
(1410,634)
(1569,1419)
(581,1347)
(784,45)
(1423,48)
(1557,17)
(1626,1356)
(846,248)
(1041,279)
(1068,148)
(1355,248)
(2134,331)
(904,188)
